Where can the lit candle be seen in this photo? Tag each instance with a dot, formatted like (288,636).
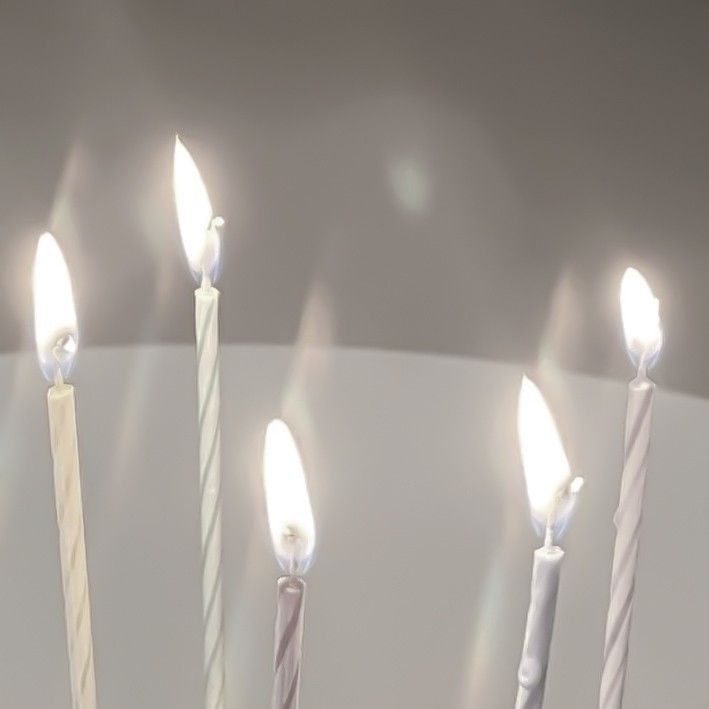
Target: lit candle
(643,336)
(199,229)
(552,498)
(290,519)
(56,333)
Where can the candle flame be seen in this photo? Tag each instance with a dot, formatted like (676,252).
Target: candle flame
(290,516)
(198,225)
(640,310)
(55,327)
(550,488)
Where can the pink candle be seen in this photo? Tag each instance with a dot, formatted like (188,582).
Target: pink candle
(290,519)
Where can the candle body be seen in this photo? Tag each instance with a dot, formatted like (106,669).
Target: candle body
(288,642)
(627,520)
(207,334)
(540,625)
(70,518)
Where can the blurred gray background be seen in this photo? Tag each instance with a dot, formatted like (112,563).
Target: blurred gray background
(437,176)
(430,178)
(419,590)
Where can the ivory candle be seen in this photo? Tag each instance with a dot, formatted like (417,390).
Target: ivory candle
(643,334)
(200,238)
(57,335)
(552,498)
(290,519)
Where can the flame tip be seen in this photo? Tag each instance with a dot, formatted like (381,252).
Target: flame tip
(200,239)
(290,515)
(546,467)
(640,312)
(56,331)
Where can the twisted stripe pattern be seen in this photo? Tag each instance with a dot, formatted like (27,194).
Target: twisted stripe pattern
(627,520)
(70,519)
(288,643)
(207,333)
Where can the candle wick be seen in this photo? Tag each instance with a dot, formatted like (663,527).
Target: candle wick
(642,366)
(563,505)
(549,534)
(56,353)
(291,539)
(211,250)
(293,566)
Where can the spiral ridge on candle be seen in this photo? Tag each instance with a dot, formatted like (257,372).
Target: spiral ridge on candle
(627,520)
(289,635)
(70,519)
(207,332)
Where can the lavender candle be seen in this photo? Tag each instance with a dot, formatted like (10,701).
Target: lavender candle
(643,335)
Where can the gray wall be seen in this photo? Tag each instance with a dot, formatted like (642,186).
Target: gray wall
(419,589)
(431,176)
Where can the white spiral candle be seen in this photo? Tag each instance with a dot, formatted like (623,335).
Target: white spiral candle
(207,333)
(199,229)
(643,335)
(627,520)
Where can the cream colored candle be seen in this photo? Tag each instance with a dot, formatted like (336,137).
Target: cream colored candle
(643,334)
(200,238)
(292,526)
(552,497)
(56,333)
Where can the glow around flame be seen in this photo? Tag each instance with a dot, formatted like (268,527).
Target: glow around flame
(195,217)
(640,310)
(546,468)
(290,516)
(55,327)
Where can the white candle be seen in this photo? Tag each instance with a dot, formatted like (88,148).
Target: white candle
(552,497)
(643,334)
(200,238)
(540,626)
(57,336)
(290,519)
